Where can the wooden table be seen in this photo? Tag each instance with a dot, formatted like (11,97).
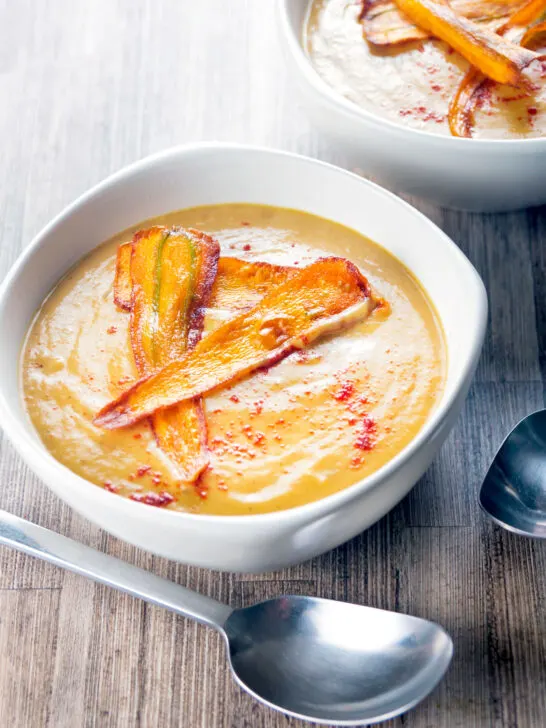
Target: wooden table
(85,88)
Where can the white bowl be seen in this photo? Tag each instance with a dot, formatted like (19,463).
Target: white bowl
(216,173)
(472,174)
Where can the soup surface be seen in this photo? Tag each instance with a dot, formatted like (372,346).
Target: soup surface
(315,423)
(413,85)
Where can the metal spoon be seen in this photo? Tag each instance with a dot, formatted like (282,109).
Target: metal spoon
(513,492)
(315,659)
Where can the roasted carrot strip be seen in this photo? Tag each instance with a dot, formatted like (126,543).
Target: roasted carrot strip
(534,36)
(319,299)
(496,57)
(240,284)
(528,13)
(172,275)
(462,106)
(123,285)
(145,269)
(460,114)
(385,25)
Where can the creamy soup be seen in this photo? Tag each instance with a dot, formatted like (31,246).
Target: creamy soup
(414,83)
(317,422)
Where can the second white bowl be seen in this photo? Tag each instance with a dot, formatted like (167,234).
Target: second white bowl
(470,174)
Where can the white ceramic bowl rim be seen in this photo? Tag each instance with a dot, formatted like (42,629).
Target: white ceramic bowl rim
(354,111)
(25,443)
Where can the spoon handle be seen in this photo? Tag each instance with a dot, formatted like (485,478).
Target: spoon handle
(68,554)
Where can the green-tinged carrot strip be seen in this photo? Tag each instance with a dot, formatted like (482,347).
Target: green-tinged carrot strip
(172,276)
(145,269)
(319,299)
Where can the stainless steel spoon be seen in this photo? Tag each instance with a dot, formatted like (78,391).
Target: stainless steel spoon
(513,492)
(316,659)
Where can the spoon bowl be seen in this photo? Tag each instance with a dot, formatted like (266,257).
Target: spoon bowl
(513,492)
(317,659)
(334,662)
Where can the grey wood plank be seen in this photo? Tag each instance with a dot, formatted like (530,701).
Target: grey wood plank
(516,629)
(28,629)
(113,683)
(536,225)
(444,580)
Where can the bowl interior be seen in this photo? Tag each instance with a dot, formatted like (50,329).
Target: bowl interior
(209,174)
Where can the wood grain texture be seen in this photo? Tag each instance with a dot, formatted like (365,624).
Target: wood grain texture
(88,87)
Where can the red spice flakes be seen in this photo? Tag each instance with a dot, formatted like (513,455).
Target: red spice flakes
(483,96)
(234,398)
(423,113)
(143,470)
(280,421)
(137,435)
(345,392)
(108,485)
(111,330)
(258,407)
(153,499)
(245,223)
(156,479)
(222,486)
(256,437)
(124,380)
(365,439)
(433,116)
(356,462)
(532,110)
(436,87)
(202,493)
(432,69)
(509,99)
